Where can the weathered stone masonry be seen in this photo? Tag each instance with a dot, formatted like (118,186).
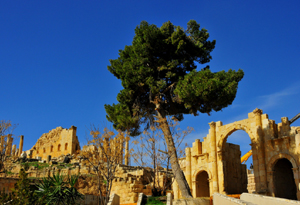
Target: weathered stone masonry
(271,144)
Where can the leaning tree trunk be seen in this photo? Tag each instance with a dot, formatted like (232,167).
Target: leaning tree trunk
(179,176)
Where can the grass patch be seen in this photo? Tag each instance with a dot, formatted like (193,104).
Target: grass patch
(38,165)
(154,200)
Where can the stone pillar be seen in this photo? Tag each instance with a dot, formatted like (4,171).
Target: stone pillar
(296,177)
(2,144)
(188,165)
(48,158)
(127,151)
(254,148)
(17,152)
(260,151)
(122,151)
(21,145)
(13,150)
(8,145)
(213,154)
(197,147)
(175,190)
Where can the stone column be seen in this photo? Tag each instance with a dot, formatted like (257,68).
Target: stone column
(188,166)
(2,144)
(254,148)
(213,156)
(127,151)
(8,145)
(21,145)
(122,151)
(48,158)
(271,183)
(296,177)
(13,150)
(175,190)
(260,151)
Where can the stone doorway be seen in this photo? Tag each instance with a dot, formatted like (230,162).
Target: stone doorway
(284,181)
(202,184)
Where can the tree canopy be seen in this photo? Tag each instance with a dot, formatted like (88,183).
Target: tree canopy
(159,73)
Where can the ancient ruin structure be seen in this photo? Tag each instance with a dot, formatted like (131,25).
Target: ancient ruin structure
(214,166)
(57,142)
(7,148)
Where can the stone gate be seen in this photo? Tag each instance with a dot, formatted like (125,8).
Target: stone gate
(214,165)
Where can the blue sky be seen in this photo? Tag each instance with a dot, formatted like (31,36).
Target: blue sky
(54,57)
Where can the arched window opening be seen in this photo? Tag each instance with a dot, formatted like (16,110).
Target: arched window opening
(51,148)
(66,146)
(44,149)
(284,180)
(202,184)
(58,149)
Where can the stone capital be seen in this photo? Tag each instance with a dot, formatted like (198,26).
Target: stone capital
(212,124)
(257,111)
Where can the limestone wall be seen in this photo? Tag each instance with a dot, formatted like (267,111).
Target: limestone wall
(56,142)
(235,176)
(271,143)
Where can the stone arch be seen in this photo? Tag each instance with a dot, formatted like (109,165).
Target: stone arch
(232,129)
(202,183)
(201,169)
(58,147)
(51,149)
(275,158)
(272,171)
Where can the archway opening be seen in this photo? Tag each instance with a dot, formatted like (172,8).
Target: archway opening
(202,184)
(284,180)
(238,163)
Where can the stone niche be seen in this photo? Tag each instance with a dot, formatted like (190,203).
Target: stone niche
(56,142)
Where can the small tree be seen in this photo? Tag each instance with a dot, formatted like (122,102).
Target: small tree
(6,132)
(160,78)
(23,193)
(104,153)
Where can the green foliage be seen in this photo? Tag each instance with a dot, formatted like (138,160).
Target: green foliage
(159,74)
(23,192)
(58,190)
(5,197)
(38,165)
(154,200)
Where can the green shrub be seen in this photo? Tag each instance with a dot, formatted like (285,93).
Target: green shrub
(154,200)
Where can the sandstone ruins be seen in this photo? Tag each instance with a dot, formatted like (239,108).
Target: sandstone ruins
(211,166)
(214,165)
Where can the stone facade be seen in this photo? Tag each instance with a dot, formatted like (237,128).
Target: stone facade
(56,142)
(273,146)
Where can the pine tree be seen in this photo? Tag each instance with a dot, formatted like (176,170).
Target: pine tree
(160,78)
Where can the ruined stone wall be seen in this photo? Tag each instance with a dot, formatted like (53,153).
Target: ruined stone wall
(57,142)
(7,184)
(270,143)
(235,177)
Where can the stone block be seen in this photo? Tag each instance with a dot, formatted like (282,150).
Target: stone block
(114,199)
(142,199)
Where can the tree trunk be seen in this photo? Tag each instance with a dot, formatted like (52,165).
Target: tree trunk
(179,176)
